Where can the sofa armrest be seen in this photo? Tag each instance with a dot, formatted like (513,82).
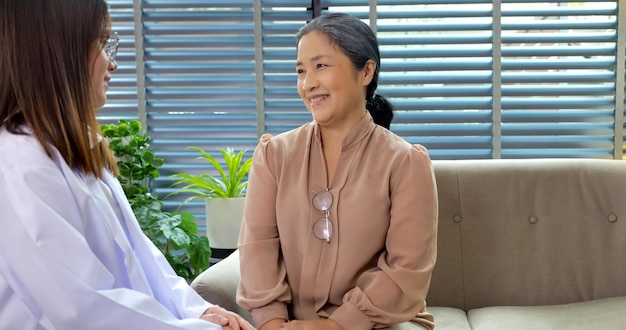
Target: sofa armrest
(218,284)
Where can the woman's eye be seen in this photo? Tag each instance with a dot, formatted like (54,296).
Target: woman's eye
(299,71)
(320,65)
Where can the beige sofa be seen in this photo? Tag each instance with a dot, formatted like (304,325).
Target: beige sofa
(523,244)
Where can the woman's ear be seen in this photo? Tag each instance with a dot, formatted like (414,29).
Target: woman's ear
(368,72)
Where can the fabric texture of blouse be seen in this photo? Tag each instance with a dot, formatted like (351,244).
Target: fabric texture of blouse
(376,269)
(72,255)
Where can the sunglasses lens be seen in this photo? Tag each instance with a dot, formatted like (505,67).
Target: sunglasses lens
(323,200)
(323,229)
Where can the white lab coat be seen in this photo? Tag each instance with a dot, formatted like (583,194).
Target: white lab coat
(69,260)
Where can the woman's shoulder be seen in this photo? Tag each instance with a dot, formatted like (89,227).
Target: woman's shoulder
(287,140)
(21,151)
(396,154)
(396,144)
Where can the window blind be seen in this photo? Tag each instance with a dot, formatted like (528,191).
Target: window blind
(122,100)
(491,79)
(469,78)
(437,70)
(198,81)
(441,95)
(558,79)
(283,108)
(200,84)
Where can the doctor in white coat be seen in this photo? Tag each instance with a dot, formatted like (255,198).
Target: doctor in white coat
(72,255)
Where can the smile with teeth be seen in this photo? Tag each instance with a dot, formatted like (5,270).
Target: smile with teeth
(317,99)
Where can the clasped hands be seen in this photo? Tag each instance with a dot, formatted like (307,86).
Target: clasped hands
(227,319)
(233,321)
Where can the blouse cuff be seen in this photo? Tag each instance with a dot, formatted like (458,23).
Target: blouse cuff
(276,310)
(349,317)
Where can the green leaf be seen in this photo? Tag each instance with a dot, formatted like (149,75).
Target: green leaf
(199,254)
(153,173)
(188,223)
(179,237)
(134,127)
(147,156)
(158,162)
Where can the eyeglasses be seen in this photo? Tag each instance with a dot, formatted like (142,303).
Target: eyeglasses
(111,47)
(323,228)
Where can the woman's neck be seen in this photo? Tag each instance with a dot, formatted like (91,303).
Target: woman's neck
(332,142)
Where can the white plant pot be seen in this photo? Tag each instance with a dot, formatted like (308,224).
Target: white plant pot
(223,221)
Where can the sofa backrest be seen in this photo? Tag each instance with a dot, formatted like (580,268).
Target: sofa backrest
(529,232)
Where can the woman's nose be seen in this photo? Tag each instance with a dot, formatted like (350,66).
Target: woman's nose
(113,65)
(309,82)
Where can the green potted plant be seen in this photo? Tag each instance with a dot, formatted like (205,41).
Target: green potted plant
(224,194)
(175,234)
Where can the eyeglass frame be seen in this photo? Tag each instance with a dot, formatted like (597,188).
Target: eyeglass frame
(112,46)
(325,224)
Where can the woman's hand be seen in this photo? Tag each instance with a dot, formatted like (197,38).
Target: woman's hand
(312,325)
(226,319)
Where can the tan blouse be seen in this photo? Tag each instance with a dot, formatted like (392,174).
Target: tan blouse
(376,269)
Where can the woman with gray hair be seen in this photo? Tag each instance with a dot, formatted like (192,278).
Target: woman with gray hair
(340,221)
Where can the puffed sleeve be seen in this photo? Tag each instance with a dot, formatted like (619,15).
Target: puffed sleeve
(50,275)
(263,289)
(395,290)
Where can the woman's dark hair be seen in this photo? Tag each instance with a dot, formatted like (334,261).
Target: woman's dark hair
(45,76)
(357,41)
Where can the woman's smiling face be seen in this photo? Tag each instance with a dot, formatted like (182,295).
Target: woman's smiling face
(328,83)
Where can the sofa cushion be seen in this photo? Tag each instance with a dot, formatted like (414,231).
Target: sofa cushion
(608,313)
(448,318)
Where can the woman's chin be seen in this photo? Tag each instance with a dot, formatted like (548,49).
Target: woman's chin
(100,101)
